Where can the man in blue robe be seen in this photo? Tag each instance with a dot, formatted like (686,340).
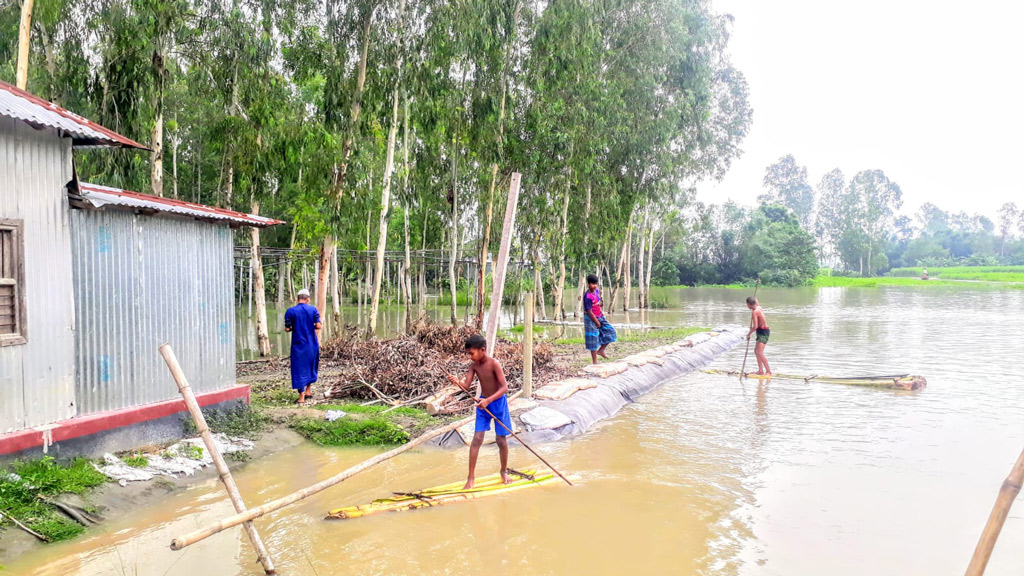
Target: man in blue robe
(303,321)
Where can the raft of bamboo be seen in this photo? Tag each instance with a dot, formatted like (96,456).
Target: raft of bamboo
(892,382)
(445,494)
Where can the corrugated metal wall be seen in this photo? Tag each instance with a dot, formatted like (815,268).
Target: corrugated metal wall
(37,379)
(141,281)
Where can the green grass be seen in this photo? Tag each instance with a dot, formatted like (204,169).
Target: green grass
(519,328)
(364,425)
(245,421)
(837,281)
(42,479)
(663,334)
(136,460)
(347,432)
(978,273)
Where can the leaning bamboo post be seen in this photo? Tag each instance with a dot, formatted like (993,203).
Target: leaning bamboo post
(1007,494)
(218,460)
(528,346)
(498,277)
(251,514)
(24,35)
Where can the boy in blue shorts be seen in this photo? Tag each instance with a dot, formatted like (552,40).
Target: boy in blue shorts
(494,398)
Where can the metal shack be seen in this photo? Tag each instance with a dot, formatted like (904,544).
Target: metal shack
(92,280)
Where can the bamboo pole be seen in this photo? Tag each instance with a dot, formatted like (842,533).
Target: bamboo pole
(24,34)
(528,346)
(218,460)
(181,542)
(509,430)
(498,275)
(1000,510)
(757,284)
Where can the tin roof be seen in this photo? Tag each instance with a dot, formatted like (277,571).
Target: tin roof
(97,196)
(21,105)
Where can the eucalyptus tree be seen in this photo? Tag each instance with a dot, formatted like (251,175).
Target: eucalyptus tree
(831,215)
(872,201)
(785,183)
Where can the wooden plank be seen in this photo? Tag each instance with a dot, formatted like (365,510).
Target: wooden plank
(6,254)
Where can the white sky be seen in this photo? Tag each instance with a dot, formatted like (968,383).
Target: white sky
(930,92)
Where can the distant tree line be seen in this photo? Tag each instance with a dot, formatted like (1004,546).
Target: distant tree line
(853,226)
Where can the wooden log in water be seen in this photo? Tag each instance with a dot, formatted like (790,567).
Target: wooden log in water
(908,382)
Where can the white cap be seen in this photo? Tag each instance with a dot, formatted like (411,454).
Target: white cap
(304,292)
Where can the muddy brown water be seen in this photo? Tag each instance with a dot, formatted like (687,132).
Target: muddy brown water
(706,475)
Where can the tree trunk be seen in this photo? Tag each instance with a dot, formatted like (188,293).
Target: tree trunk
(423,264)
(871,271)
(231,161)
(156,156)
(290,286)
(627,252)
(538,280)
(642,296)
(280,281)
(198,168)
(407,270)
(346,150)
(484,245)
(50,61)
(385,212)
(174,164)
(335,288)
(24,37)
(256,265)
(559,305)
(650,266)
(623,258)
(326,249)
(455,238)
(578,306)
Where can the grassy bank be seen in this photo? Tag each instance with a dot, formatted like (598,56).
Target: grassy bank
(652,338)
(28,489)
(976,273)
(363,425)
(980,281)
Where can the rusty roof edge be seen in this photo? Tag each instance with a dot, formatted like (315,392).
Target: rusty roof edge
(99,196)
(114,139)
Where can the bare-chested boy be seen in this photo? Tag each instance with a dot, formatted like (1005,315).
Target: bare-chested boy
(759,325)
(494,399)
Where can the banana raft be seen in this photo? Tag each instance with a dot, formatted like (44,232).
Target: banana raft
(446,494)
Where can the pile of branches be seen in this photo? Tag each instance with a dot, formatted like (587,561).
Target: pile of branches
(409,369)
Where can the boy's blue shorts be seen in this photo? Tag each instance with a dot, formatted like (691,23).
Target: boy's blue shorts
(500,410)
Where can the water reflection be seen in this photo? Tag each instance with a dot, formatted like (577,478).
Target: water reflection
(706,475)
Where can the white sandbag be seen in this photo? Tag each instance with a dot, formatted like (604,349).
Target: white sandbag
(544,418)
(563,389)
(605,370)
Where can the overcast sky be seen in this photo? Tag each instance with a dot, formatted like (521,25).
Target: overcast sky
(931,92)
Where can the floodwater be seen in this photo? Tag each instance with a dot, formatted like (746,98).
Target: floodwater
(706,475)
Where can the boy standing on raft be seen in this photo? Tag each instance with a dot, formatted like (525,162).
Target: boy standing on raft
(597,331)
(494,399)
(759,325)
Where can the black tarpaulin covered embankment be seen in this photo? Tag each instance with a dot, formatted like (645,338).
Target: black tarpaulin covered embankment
(586,407)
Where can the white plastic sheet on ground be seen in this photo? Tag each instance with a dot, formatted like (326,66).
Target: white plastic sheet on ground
(544,418)
(174,461)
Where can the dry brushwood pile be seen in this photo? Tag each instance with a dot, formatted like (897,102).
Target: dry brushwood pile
(410,369)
